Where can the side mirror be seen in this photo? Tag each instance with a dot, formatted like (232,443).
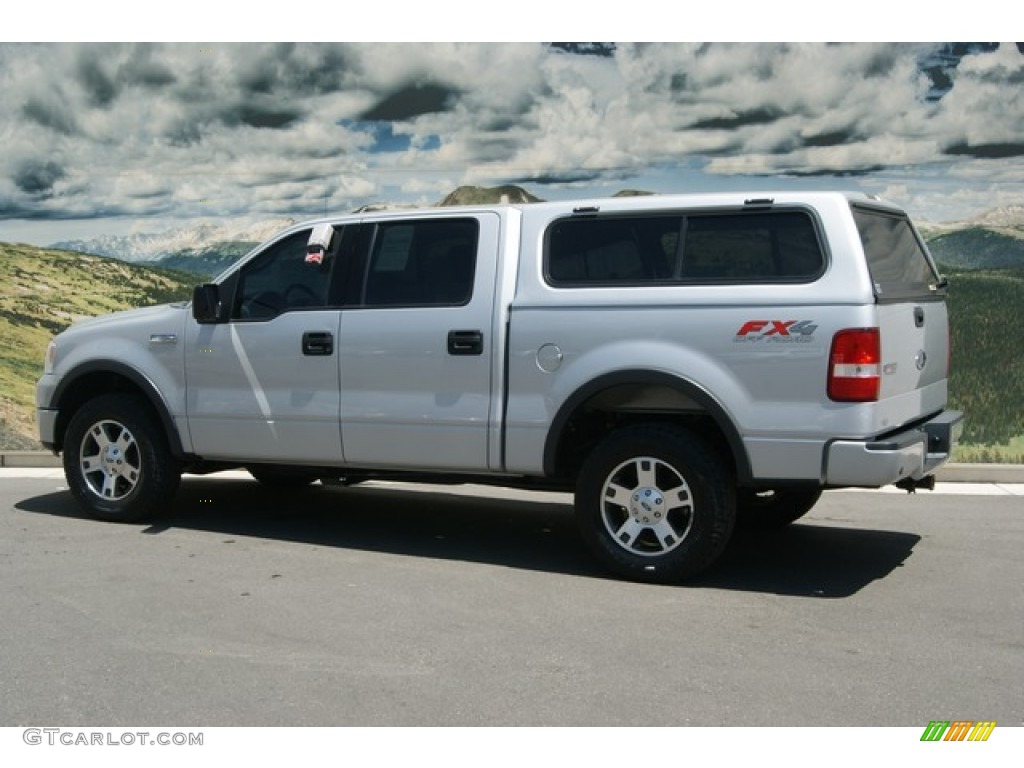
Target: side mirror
(206,303)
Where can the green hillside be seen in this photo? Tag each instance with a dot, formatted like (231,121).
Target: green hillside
(977,248)
(987,378)
(41,292)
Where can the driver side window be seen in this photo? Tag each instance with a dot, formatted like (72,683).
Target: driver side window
(280,279)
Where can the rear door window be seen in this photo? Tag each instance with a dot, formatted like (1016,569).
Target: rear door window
(900,267)
(427,262)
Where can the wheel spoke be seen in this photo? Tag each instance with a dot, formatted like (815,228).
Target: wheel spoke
(628,532)
(645,473)
(125,441)
(109,485)
(666,534)
(91,463)
(616,494)
(678,499)
(100,436)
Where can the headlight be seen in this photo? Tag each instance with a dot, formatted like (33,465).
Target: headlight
(51,356)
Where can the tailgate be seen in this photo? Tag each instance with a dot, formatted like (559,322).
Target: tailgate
(915,348)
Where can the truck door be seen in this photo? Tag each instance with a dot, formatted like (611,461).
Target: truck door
(417,346)
(263,384)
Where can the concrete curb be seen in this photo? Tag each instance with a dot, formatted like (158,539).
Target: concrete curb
(28,459)
(951,473)
(981,473)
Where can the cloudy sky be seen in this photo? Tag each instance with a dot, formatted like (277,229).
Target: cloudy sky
(121,138)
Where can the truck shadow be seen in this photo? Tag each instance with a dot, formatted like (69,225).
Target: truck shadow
(808,559)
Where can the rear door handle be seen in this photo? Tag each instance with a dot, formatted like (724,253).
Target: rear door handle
(318,343)
(465,342)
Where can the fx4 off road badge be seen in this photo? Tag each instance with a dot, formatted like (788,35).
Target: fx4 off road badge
(776,332)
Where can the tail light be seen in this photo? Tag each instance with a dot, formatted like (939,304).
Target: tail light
(855,366)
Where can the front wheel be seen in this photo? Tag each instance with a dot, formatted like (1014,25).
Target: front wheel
(655,503)
(116,460)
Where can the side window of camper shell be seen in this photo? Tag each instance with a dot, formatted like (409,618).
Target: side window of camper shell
(673,249)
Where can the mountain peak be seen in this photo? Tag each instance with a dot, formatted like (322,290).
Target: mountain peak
(504,194)
(1005,216)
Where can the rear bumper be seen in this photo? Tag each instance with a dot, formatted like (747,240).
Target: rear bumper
(908,455)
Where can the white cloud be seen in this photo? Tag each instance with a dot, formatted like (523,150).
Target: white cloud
(230,129)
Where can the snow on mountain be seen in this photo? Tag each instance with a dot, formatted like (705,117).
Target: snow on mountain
(208,234)
(153,246)
(1006,219)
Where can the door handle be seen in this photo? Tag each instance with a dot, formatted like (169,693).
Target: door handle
(318,343)
(465,342)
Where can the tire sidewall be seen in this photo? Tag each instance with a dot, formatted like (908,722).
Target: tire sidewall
(711,488)
(158,472)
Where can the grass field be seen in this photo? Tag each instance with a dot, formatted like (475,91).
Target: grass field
(43,291)
(987,377)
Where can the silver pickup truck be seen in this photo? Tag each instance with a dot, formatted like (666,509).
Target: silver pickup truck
(680,362)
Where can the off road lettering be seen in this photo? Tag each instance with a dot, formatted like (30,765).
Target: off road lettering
(767,328)
(791,331)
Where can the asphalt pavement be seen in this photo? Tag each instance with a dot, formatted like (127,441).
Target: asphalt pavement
(395,604)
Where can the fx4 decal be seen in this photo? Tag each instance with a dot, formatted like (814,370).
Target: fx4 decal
(776,331)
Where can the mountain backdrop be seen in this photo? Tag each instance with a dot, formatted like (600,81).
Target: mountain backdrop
(44,290)
(991,241)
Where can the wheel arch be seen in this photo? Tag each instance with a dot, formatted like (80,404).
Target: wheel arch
(630,396)
(98,377)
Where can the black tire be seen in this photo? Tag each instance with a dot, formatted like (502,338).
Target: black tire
(278,477)
(116,460)
(765,510)
(675,507)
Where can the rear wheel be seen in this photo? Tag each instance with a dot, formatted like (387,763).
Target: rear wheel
(116,459)
(655,503)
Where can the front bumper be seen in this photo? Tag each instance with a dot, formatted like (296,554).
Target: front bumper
(46,422)
(46,415)
(911,454)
